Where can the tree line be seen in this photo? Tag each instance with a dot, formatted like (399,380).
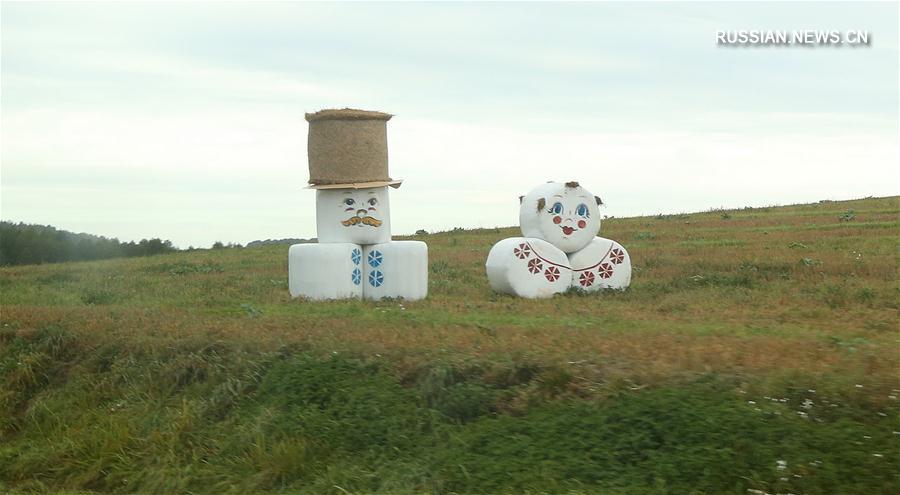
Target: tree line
(25,244)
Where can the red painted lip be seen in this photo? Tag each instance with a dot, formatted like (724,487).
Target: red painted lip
(568,230)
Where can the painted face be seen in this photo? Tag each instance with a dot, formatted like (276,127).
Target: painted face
(565,215)
(360,216)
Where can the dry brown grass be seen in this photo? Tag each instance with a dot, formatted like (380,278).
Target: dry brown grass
(773,290)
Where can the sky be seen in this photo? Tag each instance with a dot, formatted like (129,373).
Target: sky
(185,121)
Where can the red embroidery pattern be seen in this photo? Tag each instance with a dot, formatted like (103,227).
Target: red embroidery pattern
(552,273)
(605,270)
(535,265)
(522,252)
(617,256)
(586,279)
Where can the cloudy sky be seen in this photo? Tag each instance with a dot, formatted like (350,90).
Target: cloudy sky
(185,120)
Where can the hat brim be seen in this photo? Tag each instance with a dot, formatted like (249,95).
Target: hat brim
(357,185)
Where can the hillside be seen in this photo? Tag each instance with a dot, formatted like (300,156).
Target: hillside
(755,352)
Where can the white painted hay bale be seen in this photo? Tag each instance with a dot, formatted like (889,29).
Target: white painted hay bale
(563,214)
(325,271)
(602,264)
(528,267)
(360,216)
(395,269)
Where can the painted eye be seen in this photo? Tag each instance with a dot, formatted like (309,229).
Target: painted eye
(557,208)
(373,201)
(349,201)
(582,211)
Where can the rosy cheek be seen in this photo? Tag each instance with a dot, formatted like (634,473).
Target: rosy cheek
(557,219)
(581,224)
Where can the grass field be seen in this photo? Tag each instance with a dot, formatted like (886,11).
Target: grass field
(757,351)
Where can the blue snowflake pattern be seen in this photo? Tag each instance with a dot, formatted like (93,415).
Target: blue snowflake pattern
(356,276)
(375,258)
(376,278)
(356,256)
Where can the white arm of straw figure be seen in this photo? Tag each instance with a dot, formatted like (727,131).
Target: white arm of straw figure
(528,267)
(325,271)
(395,269)
(602,264)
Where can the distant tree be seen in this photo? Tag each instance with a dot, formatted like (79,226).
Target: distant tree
(23,243)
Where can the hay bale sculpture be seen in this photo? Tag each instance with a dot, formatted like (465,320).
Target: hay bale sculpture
(354,256)
(559,248)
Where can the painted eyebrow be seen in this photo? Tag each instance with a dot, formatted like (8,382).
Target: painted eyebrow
(557,196)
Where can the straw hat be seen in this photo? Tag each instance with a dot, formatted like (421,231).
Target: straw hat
(348,149)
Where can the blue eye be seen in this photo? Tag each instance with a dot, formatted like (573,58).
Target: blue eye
(556,209)
(582,211)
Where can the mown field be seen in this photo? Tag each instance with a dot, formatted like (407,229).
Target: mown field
(757,351)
